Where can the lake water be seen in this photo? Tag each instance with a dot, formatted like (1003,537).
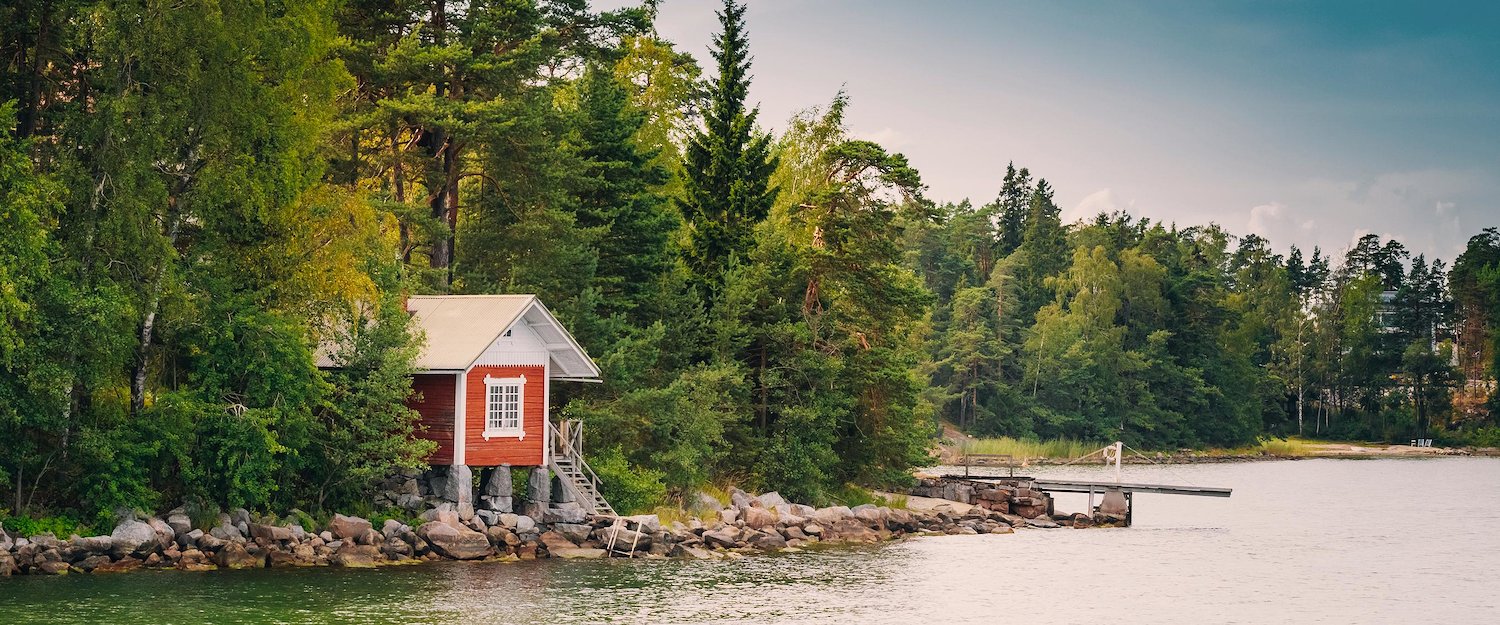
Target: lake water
(1313,541)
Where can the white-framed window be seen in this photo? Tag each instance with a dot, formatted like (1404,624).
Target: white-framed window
(504,401)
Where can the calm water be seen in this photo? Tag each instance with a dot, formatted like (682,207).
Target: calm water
(1315,541)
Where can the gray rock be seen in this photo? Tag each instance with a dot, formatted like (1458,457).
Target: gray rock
(727,537)
(327,536)
(410,501)
(458,487)
(767,540)
(180,523)
(560,492)
(525,524)
(298,533)
(539,487)
(564,513)
(729,516)
(772,499)
(739,498)
(648,523)
(832,514)
(488,517)
(209,542)
(706,502)
(870,516)
(497,504)
(624,540)
(1042,522)
(498,483)
(576,532)
(270,532)
(465,510)
(803,511)
(356,556)
(132,537)
(813,529)
(95,544)
(239,516)
(227,532)
(189,539)
(509,520)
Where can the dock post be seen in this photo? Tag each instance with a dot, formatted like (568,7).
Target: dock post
(1129,507)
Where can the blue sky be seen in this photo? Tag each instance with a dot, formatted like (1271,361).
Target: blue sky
(1310,123)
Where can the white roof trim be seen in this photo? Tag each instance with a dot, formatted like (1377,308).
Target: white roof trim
(535,315)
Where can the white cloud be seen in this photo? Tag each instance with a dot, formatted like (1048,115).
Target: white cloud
(1423,210)
(1101,201)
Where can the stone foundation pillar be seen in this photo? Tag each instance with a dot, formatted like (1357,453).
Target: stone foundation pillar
(538,492)
(458,485)
(498,490)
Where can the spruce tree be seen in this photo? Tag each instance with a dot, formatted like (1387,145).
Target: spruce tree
(1014,202)
(615,198)
(727,189)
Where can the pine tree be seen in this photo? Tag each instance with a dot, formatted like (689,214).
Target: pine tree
(1043,252)
(729,163)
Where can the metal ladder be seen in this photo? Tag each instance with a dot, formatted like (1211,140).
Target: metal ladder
(574,472)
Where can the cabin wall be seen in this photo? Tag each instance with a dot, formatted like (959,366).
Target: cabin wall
(434,397)
(498,450)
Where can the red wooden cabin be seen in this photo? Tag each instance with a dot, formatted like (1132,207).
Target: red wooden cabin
(485,376)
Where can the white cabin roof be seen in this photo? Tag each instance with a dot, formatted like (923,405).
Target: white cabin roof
(460,327)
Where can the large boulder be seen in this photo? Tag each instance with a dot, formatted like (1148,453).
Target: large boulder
(353,555)
(557,540)
(759,518)
(95,544)
(727,537)
(870,515)
(622,539)
(851,530)
(235,556)
(347,527)
(771,499)
(165,535)
(180,523)
(768,540)
(7,563)
(568,512)
(270,532)
(831,515)
(648,523)
(452,542)
(576,532)
(132,537)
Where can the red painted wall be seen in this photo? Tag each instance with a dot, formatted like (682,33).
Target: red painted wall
(433,397)
(498,450)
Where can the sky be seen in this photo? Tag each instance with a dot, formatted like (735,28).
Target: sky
(1309,123)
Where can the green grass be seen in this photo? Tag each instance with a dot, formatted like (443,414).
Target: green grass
(1287,447)
(1023,449)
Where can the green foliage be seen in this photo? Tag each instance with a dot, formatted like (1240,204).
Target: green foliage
(61,526)
(728,163)
(630,489)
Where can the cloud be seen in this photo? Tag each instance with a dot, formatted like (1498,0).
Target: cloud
(1101,201)
(1425,210)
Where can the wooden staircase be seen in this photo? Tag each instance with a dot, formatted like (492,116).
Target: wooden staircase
(574,472)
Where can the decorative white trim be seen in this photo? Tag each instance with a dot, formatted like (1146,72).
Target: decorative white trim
(519,431)
(547,433)
(459,415)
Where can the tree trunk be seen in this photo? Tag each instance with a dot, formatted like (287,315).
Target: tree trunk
(153,303)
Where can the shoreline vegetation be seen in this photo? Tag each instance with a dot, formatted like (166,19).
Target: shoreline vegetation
(951,449)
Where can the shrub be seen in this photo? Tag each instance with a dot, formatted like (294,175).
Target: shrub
(629,489)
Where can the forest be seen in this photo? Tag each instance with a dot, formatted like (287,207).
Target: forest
(196,195)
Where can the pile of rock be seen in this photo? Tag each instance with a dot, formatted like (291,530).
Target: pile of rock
(459,532)
(1014,497)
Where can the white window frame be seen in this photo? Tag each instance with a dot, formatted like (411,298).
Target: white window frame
(494,417)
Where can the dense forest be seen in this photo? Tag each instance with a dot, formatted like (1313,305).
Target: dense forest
(196,195)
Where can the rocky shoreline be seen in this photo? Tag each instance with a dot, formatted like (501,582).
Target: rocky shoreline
(239,540)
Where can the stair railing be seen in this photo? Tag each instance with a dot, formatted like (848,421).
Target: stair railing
(570,446)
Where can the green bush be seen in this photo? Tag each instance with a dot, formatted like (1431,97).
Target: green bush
(61,525)
(629,489)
